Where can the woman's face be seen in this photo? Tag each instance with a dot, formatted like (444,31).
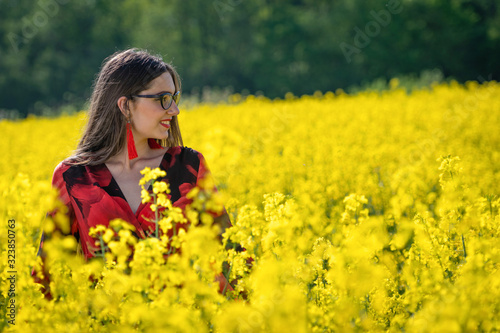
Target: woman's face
(148,118)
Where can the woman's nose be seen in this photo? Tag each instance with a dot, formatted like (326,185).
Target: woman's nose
(173,110)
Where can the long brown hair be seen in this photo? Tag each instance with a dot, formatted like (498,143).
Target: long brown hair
(124,73)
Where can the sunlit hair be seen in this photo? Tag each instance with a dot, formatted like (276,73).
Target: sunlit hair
(124,73)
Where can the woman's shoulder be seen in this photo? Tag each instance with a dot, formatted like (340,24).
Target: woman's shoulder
(184,153)
(58,180)
(70,169)
(66,164)
(62,167)
(185,158)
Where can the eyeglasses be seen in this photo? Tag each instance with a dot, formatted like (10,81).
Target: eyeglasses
(165,99)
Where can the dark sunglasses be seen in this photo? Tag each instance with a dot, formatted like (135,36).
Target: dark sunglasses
(165,99)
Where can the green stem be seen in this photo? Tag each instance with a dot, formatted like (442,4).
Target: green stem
(227,278)
(102,248)
(156,215)
(463,244)
(174,234)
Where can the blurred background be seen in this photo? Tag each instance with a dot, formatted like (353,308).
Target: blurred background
(51,50)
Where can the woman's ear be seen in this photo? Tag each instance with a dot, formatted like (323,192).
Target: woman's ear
(123,105)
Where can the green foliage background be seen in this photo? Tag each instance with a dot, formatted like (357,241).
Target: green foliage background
(51,50)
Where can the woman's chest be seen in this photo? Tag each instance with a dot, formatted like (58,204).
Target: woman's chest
(130,188)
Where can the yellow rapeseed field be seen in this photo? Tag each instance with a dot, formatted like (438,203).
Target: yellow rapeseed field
(368,212)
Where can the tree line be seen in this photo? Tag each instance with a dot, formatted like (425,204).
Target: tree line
(51,50)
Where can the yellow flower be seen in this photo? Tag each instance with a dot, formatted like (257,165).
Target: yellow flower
(97,230)
(359,231)
(160,187)
(146,197)
(108,235)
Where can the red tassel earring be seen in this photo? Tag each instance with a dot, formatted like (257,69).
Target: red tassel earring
(132,152)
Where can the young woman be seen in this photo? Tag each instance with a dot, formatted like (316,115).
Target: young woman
(132,124)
